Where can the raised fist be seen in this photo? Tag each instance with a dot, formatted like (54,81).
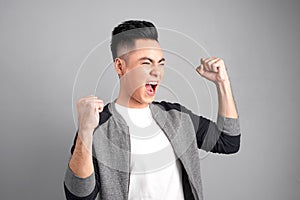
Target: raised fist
(88,109)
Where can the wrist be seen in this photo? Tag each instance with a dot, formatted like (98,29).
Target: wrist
(85,139)
(222,82)
(223,87)
(85,129)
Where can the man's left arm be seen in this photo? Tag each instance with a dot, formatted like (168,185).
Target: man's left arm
(213,69)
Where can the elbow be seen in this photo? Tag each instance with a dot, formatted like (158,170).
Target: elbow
(232,150)
(233,146)
(229,144)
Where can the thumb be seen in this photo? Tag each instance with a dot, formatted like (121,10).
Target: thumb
(200,70)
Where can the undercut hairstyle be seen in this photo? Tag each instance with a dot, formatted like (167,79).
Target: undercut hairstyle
(125,34)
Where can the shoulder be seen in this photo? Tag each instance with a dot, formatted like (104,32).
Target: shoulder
(171,106)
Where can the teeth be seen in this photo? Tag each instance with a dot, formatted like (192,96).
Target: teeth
(152,82)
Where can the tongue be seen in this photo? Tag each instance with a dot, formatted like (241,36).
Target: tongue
(149,88)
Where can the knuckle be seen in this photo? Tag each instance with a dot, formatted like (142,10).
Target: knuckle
(90,104)
(84,103)
(79,103)
(79,100)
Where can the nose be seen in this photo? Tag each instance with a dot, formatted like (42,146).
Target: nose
(155,72)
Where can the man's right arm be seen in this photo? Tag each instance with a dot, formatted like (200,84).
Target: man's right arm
(80,180)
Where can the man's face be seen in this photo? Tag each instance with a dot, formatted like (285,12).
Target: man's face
(143,72)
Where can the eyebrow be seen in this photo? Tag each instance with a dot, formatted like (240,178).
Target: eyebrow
(151,60)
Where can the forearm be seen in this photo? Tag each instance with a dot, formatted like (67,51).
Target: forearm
(81,162)
(80,180)
(227,107)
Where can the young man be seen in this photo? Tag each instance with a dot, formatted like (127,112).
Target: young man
(135,148)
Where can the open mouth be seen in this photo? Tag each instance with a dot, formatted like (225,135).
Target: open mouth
(151,87)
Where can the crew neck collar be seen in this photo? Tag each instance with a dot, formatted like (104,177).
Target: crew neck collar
(125,107)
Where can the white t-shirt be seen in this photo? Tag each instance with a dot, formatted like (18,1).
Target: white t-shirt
(155,170)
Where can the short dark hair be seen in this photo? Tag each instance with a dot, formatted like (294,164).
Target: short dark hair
(128,31)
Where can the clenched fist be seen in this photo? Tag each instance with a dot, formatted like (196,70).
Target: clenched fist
(88,109)
(213,69)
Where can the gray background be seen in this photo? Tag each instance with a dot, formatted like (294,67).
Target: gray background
(42,44)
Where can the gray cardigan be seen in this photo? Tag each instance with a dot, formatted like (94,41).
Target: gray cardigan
(186,132)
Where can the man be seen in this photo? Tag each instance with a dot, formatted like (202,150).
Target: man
(135,148)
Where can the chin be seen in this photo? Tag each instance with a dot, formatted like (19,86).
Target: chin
(146,100)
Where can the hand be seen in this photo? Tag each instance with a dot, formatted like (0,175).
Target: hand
(213,69)
(88,109)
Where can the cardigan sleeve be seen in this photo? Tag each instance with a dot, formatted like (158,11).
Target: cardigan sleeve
(222,136)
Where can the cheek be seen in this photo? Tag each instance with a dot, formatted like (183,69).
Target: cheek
(136,78)
(162,73)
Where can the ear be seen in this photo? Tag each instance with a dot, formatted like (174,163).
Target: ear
(120,66)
